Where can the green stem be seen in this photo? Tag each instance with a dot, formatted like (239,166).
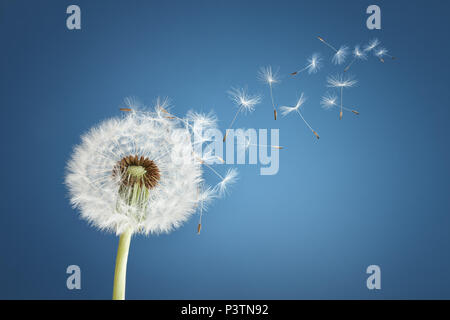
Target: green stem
(121,266)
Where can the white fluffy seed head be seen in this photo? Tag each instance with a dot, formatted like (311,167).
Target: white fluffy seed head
(95,189)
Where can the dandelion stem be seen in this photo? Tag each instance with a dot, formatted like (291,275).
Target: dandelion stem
(121,266)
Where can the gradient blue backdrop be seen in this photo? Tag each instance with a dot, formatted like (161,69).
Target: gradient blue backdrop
(372,190)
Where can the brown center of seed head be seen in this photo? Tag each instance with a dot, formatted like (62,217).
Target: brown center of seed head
(135,169)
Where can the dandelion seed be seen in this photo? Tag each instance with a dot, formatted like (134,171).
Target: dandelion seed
(133,104)
(126,109)
(285,110)
(372,45)
(205,195)
(341,82)
(314,64)
(358,54)
(382,52)
(244,102)
(266,75)
(329,101)
(340,56)
(329,45)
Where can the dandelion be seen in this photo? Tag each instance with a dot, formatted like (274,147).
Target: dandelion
(341,82)
(339,55)
(244,102)
(266,75)
(381,52)
(371,45)
(285,110)
(137,174)
(329,101)
(314,64)
(358,54)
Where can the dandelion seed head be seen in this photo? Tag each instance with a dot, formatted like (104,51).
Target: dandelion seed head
(341,81)
(137,173)
(265,74)
(244,100)
(340,56)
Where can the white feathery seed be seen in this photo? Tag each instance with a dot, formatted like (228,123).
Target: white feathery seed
(229,178)
(313,65)
(329,101)
(243,100)
(285,110)
(341,81)
(266,75)
(371,45)
(340,55)
(165,140)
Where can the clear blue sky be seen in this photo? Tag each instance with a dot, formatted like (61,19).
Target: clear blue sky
(372,190)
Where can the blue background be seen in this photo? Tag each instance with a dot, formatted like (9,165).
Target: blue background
(372,190)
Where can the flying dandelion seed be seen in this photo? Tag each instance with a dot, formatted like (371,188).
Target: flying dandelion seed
(371,45)
(269,77)
(341,82)
(125,109)
(330,101)
(358,54)
(339,55)
(381,53)
(244,102)
(326,43)
(138,174)
(285,110)
(314,64)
